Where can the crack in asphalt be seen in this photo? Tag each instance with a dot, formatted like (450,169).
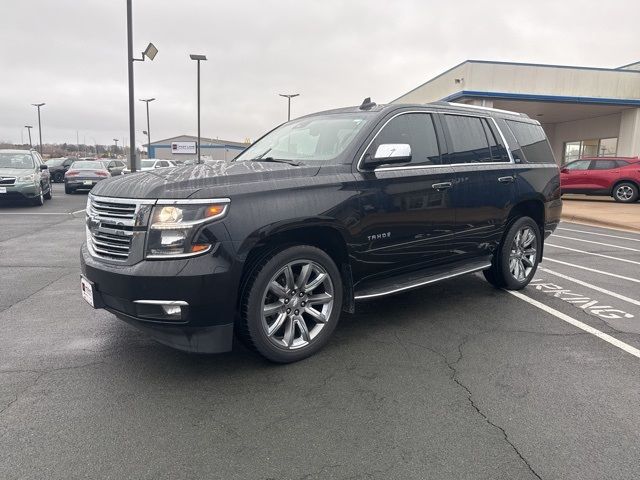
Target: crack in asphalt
(454,376)
(59,277)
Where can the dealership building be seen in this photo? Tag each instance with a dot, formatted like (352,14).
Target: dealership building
(585,111)
(183,147)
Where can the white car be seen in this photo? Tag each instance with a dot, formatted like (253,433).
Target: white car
(151,164)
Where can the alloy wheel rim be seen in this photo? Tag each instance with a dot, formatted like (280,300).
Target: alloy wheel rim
(522,258)
(297,304)
(624,192)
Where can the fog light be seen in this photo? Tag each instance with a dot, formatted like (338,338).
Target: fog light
(172,310)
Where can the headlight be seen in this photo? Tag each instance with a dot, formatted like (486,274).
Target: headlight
(27,178)
(174,228)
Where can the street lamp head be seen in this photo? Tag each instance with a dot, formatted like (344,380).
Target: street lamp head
(144,132)
(197,57)
(289,95)
(147,99)
(28,126)
(150,52)
(116,140)
(38,104)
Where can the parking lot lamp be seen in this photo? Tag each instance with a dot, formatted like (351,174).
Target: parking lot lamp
(116,150)
(148,132)
(198,58)
(289,96)
(29,127)
(38,105)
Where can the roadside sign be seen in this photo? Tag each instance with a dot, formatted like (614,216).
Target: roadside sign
(184,147)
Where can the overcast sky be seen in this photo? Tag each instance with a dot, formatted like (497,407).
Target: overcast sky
(71,54)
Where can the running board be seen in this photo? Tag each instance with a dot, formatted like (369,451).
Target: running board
(409,281)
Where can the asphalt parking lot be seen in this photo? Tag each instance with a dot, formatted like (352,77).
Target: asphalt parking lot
(453,381)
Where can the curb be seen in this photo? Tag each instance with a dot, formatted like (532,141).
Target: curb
(598,223)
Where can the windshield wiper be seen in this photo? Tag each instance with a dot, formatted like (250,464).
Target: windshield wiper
(277,160)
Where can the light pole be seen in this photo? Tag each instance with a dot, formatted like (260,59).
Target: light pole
(150,52)
(116,150)
(148,132)
(289,96)
(29,127)
(38,105)
(198,58)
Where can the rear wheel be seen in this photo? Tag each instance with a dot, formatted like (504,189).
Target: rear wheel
(515,262)
(68,190)
(58,177)
(291,304)
(625,192)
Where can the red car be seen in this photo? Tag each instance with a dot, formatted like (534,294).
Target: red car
(618,177)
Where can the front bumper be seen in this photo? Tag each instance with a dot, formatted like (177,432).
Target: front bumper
(20,191)
(205,284)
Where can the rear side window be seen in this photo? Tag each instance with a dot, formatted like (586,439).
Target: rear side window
(472,140)
(603,164)
(622,163)
(533,142)
(416,129)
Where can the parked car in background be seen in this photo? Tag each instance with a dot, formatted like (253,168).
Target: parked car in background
(58,166)
(320,213)
(24,175)
(115,167)
(617,177)
(151,164)
(84,174)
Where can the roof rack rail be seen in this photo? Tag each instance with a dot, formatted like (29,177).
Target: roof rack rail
(466,105)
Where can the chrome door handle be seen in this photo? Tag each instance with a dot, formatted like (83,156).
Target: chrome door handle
(507,179)
(442,186)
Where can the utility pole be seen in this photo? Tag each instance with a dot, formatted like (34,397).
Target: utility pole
(29,127)
(198,58)
(38,105)
(115,140)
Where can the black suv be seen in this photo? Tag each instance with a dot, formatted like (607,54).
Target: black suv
(320,213)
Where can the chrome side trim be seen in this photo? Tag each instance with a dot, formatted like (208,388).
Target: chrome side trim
(192,201)
(480,107)
(422,283)
(511,161)
(179,303)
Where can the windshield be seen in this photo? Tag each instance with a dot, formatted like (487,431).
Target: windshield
(321,137)
(16,160)
(147,163)
(87,165)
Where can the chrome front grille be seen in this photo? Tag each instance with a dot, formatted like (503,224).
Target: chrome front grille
(116,227)
(7,181)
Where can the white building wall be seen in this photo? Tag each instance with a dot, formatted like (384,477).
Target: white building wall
(586,129)
(629,139)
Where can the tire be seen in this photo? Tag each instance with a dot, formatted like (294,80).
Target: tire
(68,190)
(58,177)
(516,260)
(49,194)
(39,200)
(625,192)
(300,321)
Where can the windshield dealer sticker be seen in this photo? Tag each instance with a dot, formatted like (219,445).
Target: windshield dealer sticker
(594,307)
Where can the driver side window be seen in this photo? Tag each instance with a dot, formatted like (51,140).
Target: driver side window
(415,129)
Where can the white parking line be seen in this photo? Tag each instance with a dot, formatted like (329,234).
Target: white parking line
(636,280)
(589,285)
(599,234)
(597,243)
(577,323)
(78,211)
(592,253)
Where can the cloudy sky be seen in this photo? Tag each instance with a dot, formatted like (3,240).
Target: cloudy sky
(71,54)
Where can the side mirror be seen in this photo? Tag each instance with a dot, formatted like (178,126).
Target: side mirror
(564,170)
(44,167)
(389,153)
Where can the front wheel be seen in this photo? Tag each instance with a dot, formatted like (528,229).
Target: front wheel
(291,304)
(625,192)
(515,262)
(38,201)
(49,194)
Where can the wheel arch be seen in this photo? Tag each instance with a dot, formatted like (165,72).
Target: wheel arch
(531,207)
(325,235)
(624,180)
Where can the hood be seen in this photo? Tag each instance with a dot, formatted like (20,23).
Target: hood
(184,181)
(15,172)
